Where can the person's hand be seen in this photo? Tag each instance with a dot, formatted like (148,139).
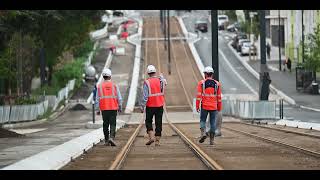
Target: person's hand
(120,109)
(98,113)
(198,110)
(141,109)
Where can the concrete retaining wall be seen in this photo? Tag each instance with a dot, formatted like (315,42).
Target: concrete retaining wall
(136,69)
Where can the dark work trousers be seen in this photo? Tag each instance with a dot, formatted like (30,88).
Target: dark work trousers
(157,112)
(109,118)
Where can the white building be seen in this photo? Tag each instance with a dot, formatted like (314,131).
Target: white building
(290,29)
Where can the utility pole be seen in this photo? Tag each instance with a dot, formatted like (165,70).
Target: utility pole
(169,55)
(279,41)
(214,37)
(302,36)
(251,16)
(165,29)
(264,74)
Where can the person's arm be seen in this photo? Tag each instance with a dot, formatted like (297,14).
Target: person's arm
(120,101)
(198,96)
(97,98)
(163,79)
(219,99)
(145,95)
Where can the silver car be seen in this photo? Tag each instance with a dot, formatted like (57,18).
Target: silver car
(247,48)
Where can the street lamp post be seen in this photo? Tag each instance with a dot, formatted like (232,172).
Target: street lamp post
(214,37)
(264,74)
(169,55)
(279,41)
(302,36)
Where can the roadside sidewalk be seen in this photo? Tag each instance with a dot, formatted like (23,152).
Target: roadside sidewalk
(283,80)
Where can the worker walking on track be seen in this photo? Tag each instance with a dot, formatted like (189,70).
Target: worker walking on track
(110,101)
(152,102)
(209,95)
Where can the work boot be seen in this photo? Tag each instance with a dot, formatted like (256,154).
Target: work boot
(211,138)
(111,142)
(203,135)
(151,138)
(157,141)
(106,142)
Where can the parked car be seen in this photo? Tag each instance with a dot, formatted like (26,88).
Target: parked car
(237,38)
(201,26)
(233,27)
(247,48)
(118,13)
(241,41)
(223,21)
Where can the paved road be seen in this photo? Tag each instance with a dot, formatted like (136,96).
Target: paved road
(232,84)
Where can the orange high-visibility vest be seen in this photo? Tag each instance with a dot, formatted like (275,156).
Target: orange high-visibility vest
(209,96)
(156,96)
(107,92)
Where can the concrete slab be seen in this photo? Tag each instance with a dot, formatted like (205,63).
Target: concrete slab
(303,125)
(27,131)
(58,156)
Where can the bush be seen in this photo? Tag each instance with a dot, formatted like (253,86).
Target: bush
(83,49)
(25,100)
(49,90)
(60,78)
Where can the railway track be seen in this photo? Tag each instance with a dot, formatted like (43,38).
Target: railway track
(124,155)
(302,142)
(178,149)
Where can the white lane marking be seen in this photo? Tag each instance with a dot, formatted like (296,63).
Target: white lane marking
(273,68)
(233,89)
(236,73)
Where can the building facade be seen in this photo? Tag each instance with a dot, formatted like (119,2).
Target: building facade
(291,29)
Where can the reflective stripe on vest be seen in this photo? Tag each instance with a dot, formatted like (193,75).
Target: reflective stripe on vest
(112,96)
(204,87)
(155,94)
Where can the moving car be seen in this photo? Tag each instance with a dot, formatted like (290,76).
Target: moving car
(201,26)
(233,27)
(223,21)
(118,13)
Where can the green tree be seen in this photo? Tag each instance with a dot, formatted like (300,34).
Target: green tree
(231,15)
(312,52)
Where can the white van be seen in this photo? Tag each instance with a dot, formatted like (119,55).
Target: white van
(223,21)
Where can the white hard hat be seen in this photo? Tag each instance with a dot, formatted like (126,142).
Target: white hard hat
(106,72)
(151,69)
(208,69)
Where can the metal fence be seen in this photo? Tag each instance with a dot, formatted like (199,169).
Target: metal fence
(31,112)
(247,109)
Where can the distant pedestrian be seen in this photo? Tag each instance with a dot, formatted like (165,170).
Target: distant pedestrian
(288,62)
(112,49)
(268,50)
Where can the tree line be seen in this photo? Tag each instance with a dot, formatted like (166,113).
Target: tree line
(27,36)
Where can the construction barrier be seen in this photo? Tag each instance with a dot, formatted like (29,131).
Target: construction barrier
(246,109)
(249,109)
(18,113)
